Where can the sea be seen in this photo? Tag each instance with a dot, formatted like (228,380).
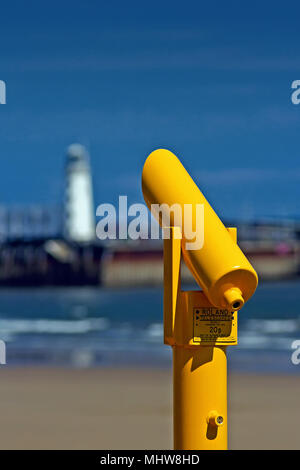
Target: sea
(99,327)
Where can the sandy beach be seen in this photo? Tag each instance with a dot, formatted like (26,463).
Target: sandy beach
(131,409)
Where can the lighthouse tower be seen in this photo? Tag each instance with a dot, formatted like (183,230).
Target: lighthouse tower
(79,222)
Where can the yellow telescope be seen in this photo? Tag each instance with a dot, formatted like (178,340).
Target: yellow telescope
(199,325)
(219,267)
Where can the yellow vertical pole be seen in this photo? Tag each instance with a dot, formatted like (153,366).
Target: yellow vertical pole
(200,398)
(199,371)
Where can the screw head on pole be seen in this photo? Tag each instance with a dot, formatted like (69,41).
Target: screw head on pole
(214,418)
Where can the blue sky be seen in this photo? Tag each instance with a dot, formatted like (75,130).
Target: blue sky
(209,80)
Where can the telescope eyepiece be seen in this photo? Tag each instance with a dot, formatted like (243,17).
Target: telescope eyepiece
(233,297)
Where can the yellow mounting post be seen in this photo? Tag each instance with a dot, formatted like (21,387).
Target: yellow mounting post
(199,334)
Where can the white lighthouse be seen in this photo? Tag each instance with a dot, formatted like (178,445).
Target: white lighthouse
(79,223)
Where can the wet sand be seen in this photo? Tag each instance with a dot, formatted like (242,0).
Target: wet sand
(132,409)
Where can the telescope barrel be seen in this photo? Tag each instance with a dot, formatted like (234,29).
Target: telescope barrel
(219,266)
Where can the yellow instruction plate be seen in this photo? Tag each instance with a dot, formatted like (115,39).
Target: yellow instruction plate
(214,326)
